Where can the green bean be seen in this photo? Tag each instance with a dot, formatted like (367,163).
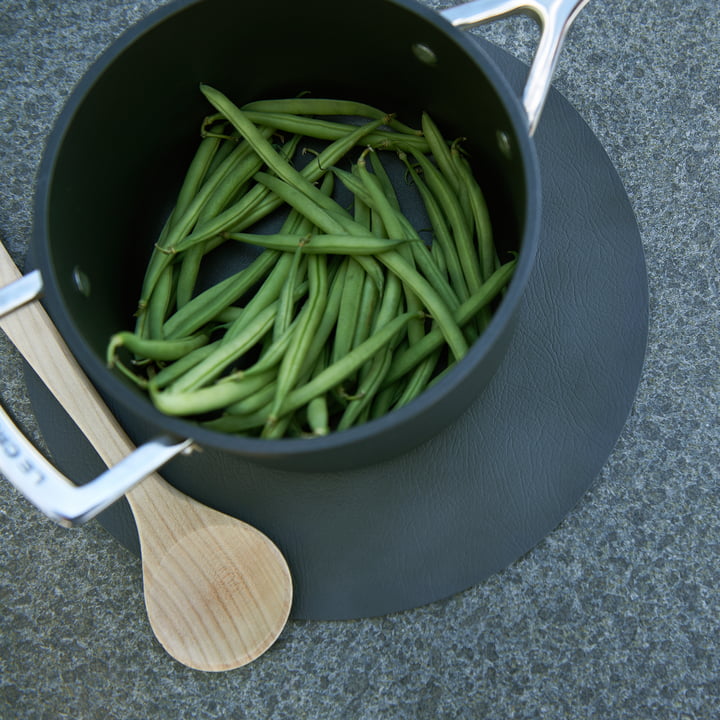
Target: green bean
(481,216)
(325,106)
(312,312)
(229,351)
(328,130)
(440,151)
(267,293)
(371,193)
(384,180)
(258,203)
(324,381)
(254,402)
(318,215)
(468,310)
(152,349)
(159,305)
(322,244)
(205,306)
(436,306)
(207,399)
(323,220)
(274,351)
(389,214)
(442,235)
(418,380)
(383,400)
(424,260)
(335,373)
(287,305)
(368,304)
(265,150)
(179,367)
(327,323)
(248,163)
(317,415)
(162,254)
(462,233)
(349,309)
(238,423)
(367,389)
(196,174)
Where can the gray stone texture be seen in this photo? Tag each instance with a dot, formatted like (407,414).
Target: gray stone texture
(616,614)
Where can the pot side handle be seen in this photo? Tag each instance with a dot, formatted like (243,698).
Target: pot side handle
(32,332)
(554,18)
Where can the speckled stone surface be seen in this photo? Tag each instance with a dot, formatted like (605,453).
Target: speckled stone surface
(614,615)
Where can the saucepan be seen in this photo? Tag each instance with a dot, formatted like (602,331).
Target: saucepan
(114,160)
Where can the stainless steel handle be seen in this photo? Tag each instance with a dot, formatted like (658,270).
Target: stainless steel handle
(39,481)
(554,18)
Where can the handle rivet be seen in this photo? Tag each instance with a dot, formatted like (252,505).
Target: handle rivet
(503,143)
(81,281)
(425,54)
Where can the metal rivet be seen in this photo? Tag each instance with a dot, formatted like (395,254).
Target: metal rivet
(424,54)
(503,141)
(81,281)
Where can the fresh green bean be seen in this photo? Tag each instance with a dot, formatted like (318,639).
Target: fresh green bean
(205,306)
(152,349)
(367,388)
(312,312)
(317,415)
(481,216)
(335,373)
(322,244)
(266,151)
(442,235)
(368,304)
(207,399)
(437,308)
(196,174)
(324,381)
(266,294)
(349,309)
(254,402)
(468,310)
(228,352)
(328,106)
(162,254)
(329,130)
(287,306)
(462,233)
(389,213)
(418,381)
(258,203)
(159,305)
(440,151)
(328,322)
(248,163)
(179,367)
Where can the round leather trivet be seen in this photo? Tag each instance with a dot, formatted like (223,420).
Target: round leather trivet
(478,496)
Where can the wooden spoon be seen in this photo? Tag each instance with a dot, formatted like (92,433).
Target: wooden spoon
(218,592)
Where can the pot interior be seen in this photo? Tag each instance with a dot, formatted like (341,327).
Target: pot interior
(123,143)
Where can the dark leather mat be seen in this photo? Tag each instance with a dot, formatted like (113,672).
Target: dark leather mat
(474,499)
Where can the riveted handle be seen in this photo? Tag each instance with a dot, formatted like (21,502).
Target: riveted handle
(554,18)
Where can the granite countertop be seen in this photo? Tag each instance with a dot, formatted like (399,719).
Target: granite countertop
(615,614)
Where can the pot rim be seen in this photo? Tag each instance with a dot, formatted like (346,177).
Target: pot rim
(114,388)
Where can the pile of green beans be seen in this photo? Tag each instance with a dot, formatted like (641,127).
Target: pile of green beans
(345,313)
